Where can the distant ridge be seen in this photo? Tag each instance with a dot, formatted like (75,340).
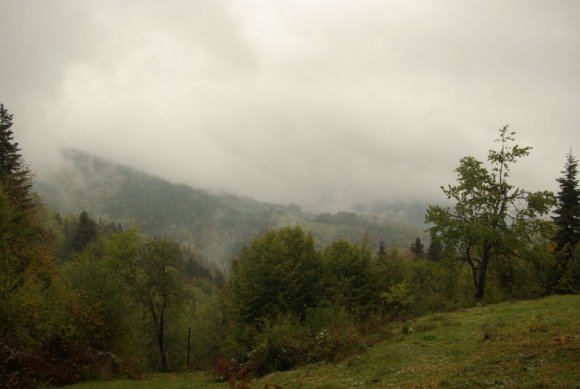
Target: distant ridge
(218,225)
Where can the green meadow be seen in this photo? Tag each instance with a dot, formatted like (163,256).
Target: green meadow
(523,344)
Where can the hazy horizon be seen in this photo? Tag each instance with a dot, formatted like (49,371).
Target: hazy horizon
(326,104)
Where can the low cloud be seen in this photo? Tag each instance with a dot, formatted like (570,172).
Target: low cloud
(322,103)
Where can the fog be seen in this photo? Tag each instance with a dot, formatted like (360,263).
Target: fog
(326,104)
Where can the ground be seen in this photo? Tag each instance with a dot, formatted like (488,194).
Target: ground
(524,344)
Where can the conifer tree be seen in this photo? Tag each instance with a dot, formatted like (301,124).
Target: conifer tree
(86,232)
(382,251)
(15,178)
(418,248)
(567,222)
(435,250)
(567,212)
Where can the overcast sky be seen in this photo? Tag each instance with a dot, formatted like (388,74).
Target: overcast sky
(322,103)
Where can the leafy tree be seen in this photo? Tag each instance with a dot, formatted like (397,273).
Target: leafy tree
(488,220)
(418,248)
(347,274)
(152,271)
(567,220)
(278,273)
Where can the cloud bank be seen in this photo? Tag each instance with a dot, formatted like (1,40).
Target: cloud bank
(322,103)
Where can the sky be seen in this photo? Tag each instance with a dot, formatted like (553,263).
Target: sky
(326,104)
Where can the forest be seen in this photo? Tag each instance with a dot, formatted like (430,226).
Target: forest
(86,298)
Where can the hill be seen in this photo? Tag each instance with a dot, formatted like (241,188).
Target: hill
(218,225)
(525,344)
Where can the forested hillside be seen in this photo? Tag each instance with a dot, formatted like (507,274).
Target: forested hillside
(217,224)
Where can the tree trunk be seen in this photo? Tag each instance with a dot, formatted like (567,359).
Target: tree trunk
(161,341)
(480,284)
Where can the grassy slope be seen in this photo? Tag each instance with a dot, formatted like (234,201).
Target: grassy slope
(522,344)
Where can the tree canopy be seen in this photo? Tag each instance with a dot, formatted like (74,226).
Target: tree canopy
(278,273)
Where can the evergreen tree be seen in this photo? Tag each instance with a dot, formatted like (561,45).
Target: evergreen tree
(85,233)
(418,248)
(382,251)
(15,178)
(567,222)
(435,250)
(567,212)
(9,151)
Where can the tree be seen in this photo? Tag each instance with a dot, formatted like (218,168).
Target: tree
(491,219)
(152,271)
(382,251)
(15,177)
(418,248)
(347,274)
(278,274)
(85,233)
(567,219)
(435,250)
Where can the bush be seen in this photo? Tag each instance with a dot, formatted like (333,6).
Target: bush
(280,346)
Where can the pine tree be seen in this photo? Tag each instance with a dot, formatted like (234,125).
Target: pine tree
(15,177)
(567,222)
(418,248)
(567,217)
(382,251)
(86,232)
(435,250)
(9,156)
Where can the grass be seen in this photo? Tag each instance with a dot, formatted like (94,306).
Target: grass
(526,344)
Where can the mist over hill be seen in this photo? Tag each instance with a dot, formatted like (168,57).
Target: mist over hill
(217,224)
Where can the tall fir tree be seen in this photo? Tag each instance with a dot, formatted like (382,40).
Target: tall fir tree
(15,177)
(86,232)
(567,212)
(418,248)
(435,250)
(567,222)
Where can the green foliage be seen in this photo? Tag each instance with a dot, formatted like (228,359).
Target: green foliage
(418,248)
(399,298)
(102,313)
(347,275)
(488,221)
(435,250)
(85,233)
(277,274)
(151,270)
(15,177)
(569,281)
(567,236)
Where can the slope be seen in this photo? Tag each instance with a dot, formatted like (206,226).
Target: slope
(216,224)
(526,344)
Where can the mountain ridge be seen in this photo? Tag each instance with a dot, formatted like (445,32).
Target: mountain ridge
(218,225)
